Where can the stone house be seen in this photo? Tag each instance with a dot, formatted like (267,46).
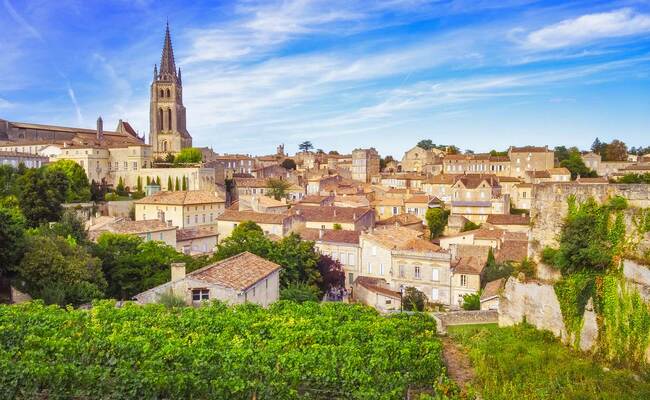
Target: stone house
(476,164)
(388,207)
(184,209)
(417,159)
(271,223)
(509,222)
(492,293)
(147,230)
(196,241)
(376,292)
(403,259)
(440,186)
(235,280)
(405,220)
(401,180)
(418,204)
(465,278)
(365,163)
(341,245)
(530,158)
(348,218)
(522,196)
(477,196)
(560,174)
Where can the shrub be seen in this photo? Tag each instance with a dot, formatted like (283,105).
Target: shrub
(549,256)
(171,300)
(413,299)
(472,301)
(300,292)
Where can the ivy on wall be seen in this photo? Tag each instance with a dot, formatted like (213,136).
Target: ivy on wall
(593,242)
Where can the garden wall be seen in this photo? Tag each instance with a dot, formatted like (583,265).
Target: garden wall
(445,319)
(537,303)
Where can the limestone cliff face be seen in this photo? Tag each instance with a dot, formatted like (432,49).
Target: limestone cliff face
(549,206)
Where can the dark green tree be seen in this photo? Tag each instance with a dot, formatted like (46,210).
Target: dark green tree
(177,186)
(597,146)
(59,271)
(426,144)
(139,184)
(120,189)
(170,184)
(289,164)
(300,293)
(247,236)
(184,183)
(305,146)
(70,225)
(576,166)
(12,239)
(277,188)
(78,185)
(413,299)
(41,193)
(436,221)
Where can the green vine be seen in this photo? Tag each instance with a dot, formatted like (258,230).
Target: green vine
(573,293)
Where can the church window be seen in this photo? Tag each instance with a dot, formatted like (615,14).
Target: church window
(168,93)
(162,94)
(160,119)
(169,116)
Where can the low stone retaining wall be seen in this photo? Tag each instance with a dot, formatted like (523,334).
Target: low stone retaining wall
(445,319)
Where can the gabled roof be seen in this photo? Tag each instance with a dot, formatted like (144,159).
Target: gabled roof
(472,181)
(330,235)
(187,197)
(538,174)
(239,272)
(508,219)
(330,213)
(400,238)
(468,265)
(404,219)
(492,289)
(260,218)
(377,285)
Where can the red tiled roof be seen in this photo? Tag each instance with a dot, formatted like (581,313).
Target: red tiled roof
(508,219)
(260,218)
(238,272)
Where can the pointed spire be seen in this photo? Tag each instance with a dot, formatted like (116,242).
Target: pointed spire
(180,80)
(155,72)
(167,64)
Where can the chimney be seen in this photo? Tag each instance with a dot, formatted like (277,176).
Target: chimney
(321,232)
(100,128)
(169,223)
(178,271)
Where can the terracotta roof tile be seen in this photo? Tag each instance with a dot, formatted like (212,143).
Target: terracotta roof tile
(400,238)
(493,288)
(331,213)
(238,272)
(468,265)
(182,198)
(375,285)
(194,233)
(330,235)
(260,218)
(508,219)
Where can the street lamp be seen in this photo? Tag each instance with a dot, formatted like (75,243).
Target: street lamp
(401,298)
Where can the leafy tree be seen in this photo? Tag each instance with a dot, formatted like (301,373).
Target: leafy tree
(132,265)
(436,221)
(305,146)
(337,227)
(426,144)
(177,187)
(562,153)
(494,270)
(472,301)
(169,158)
(576,166)
(635,178)
(170,184)
(60,272)
(597,146)
(413,299)
(585,238)
(289,164)
(298,259)
(470,226)
(383,162)
(190,155)
(139,184)
(78,185)
(615,151)
(300,293)
(277,188)
(41,193)
(495,153)
(331,272)
(320,151)
(8,177)
(333,153)
(526,267)
(98,190)
(70,225)
(12,235)
(120,189)
(148,180)
(247,236)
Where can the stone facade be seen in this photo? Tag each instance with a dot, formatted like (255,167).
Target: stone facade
(549,205)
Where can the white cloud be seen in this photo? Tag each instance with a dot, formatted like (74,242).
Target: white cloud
(4,103)
(588,28)
(73,99)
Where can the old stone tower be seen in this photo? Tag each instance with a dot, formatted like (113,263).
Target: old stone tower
(167,133)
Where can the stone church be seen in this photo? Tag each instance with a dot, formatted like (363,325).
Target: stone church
(167,132)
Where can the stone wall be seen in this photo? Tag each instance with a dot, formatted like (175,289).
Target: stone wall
(445,319)
(549,205)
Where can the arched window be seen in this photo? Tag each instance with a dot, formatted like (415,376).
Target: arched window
(162,93)
(160,119)
(169,119)
(164,145)
(168,93)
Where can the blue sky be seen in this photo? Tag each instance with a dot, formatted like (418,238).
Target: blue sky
(480,74)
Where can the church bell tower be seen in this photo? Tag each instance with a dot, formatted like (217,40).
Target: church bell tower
(167,131)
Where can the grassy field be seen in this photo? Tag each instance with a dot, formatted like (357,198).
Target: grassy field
(523,363)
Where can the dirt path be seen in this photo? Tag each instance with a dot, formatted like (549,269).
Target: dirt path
(459,367)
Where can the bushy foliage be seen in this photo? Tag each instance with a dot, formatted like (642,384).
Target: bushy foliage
(59,271)
(12,240)
(277,188)
(413,299)
(40,195)
(494,270)
(288,351)
(521,362)
(470,226)
(190,155)
(298,258)
(635,178)
(436,221)
(331,272)
(289,164)
(300,292)
(576,166)
(472,301)
(78,189)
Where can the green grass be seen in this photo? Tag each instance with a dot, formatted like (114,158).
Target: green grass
(521,362)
